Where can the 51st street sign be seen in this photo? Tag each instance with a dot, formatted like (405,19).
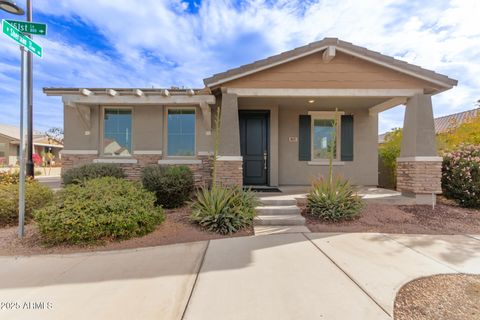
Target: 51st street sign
(29,27)
(17,36)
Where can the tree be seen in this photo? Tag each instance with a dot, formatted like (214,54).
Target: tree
(389,151)
(467,133)
(55,134)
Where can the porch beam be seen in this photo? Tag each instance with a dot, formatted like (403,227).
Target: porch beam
(289,92)
(143,99)
(387,105)
(328,54)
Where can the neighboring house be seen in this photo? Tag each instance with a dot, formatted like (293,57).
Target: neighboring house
(10,145)
(277,120)
(446,123)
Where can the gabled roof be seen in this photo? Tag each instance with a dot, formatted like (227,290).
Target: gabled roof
(13,132)
(342,46)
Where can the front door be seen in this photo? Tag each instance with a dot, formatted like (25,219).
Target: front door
(254,146)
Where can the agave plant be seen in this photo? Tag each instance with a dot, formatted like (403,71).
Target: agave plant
(333,201)
(224,209)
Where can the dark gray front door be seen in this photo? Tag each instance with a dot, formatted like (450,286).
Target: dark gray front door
(254,146)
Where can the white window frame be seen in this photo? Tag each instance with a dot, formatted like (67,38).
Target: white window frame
(102,133)
(325,115)
(194,108)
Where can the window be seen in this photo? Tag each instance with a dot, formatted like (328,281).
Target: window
(325,135)
(2,150)
(181,132)
(117,132)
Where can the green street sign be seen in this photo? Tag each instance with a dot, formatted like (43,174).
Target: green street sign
(29,27)
(21,39)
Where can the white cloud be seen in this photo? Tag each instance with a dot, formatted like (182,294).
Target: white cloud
(159,43)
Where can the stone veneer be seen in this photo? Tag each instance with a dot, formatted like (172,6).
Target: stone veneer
(419,177)
(230,172)
(202,172)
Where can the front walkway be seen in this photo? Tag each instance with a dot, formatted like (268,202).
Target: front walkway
(285,276)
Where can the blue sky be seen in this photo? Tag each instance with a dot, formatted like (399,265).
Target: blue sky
(130,43)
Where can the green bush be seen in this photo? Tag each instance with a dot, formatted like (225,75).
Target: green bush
(333,201)
(36,196)
(99,209)
(224,209)
(461,176)
(172,185)
(92,171)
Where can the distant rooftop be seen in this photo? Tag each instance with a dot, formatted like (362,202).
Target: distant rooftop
(448,122)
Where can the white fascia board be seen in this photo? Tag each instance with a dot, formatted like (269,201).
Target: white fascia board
(145,99)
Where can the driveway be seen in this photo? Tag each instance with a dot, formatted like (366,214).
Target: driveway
(284,276)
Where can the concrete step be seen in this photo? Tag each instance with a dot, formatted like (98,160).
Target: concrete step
(266,230)
(279,220)
(278,202)
(277,210)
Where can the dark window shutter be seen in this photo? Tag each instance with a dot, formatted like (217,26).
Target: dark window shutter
(346,138)
(304,137)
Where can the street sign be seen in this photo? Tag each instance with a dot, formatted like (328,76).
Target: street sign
(29,27)
(21,39)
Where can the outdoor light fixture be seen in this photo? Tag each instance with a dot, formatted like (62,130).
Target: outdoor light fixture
(11,7)
(311,101)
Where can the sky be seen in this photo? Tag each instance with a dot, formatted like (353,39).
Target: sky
(163,43)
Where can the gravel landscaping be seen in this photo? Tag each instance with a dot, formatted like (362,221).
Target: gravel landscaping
(446,218)
(452,297)
(175,229)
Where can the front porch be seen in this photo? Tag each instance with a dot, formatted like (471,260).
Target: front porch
(368,193)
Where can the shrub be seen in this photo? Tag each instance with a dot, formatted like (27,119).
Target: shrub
(172,185)
(461,176)
(333,201)
(99,209)
(224,209)
(36,196)
(92,171)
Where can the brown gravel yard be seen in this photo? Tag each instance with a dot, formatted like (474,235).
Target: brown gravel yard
(449,297)
(447,218)
(175,229)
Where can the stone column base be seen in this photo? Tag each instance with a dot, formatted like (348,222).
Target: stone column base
(230,170)
(420,177)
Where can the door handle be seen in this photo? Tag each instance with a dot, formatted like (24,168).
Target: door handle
(265,160)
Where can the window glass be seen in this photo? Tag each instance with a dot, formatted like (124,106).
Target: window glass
(323,134)
(181,132)
(117,132)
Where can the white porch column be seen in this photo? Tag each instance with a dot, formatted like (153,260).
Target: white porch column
(229,162)
(419,167)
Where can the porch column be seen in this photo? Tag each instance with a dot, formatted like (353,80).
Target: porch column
(229,162)
(419,169)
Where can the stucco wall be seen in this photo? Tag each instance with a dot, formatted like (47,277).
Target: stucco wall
(362,170)
(149,129)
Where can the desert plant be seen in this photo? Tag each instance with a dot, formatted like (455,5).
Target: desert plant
(224,209)
(333,201)
(461,176)
(97,210)
(36,196)
(172,185)
(91,171)
(389,151)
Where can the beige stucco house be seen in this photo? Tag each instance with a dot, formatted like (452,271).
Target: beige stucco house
(10,145)
(277,120)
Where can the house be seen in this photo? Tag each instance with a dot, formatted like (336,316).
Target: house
(10,145)
(278,116)
(446,123)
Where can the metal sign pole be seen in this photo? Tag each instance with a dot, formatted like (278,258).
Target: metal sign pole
(30,165)
(21,183)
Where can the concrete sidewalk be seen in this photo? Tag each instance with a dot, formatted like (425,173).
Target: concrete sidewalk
(284,276)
